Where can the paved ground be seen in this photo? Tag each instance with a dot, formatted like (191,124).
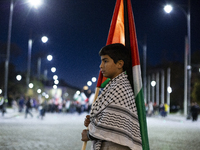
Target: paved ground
(63,132)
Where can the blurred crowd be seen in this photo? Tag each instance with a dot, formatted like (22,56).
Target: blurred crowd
(163,109)
(79,104)
(154,109)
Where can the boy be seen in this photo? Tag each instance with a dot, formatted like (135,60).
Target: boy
(113,121)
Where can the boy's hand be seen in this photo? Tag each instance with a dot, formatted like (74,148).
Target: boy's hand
(84,135)
(87,120)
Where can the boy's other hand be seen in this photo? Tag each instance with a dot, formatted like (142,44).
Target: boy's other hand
(87,120)
(84,135)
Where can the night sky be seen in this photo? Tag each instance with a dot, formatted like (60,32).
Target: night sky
(78,29)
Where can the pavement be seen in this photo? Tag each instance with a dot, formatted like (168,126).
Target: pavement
(63,132)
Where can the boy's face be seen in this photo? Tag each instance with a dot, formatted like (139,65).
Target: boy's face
(109,69)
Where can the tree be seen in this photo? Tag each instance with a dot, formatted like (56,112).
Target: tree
(195,92)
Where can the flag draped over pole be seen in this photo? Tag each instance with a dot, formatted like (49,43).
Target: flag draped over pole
(122,30)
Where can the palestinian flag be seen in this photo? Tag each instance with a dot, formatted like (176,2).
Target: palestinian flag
(122,30)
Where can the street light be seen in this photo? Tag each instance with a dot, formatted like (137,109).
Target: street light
(30,85)
(187,82)
(30,44)
(168,8)
(18,77)
(56,81)
(94,79)
(55,87)
(153,83)
(53,69)
(39,91)
(9,41)
(89,83)
(78,92)
(35,3)
(8,49)
(47,96)
(169,90)
(55,77)
(85,87)
(49,57)
(44,39)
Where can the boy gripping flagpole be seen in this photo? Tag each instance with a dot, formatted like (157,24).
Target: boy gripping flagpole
(122,30)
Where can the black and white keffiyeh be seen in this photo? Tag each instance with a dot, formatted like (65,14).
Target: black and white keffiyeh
(114,115)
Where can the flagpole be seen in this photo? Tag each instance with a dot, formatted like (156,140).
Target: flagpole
(95,97)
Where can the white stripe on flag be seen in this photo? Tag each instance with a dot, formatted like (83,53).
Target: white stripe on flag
(137,80)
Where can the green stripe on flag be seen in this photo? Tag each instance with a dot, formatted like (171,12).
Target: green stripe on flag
(139,99)
(105,82)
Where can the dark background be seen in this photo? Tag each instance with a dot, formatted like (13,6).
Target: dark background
(77,30)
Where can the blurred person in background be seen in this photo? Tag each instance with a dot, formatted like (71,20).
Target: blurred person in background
(21,104)
(194,111)
(28,107)
(2,105)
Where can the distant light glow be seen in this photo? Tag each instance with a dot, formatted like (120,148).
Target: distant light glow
(44,39)
(168,8)
(53,69)
(30,85)
(49,57)
(18,77)
(153,83)
(54,86)
(0,91)
(189,67)
(169,89)
(46,96)
(55,77)
(39,91)
(43,93)
(85,87)
(89,83)
(56,81)
(66,94)
(78,92)
(35,3)
(94,79)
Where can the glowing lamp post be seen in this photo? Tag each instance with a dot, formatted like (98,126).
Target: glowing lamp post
(56,81)
(39,91)
(35,3)
(53,69)
(18,77)
(44,39)
(30,85)
(94,79)
(89,83)
(55,77)
(187,78)
(49,57)
(168,9)
(153,83)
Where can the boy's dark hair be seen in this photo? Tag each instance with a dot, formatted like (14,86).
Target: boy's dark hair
(117,52)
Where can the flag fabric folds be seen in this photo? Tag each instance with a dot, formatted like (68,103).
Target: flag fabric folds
(122,30)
